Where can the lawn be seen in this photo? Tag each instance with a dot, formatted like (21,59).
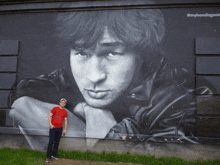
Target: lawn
(25,156)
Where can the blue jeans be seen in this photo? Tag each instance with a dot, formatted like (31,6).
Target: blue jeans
(55,135)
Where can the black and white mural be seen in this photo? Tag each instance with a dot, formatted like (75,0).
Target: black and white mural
(126,73)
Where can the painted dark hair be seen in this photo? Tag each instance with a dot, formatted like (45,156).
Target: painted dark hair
(142,30)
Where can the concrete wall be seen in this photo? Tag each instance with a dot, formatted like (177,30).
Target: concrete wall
(185,151)
(160,78)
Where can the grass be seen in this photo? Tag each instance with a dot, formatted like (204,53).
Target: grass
(25,156)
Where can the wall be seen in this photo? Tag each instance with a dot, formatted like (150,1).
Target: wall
(157,71)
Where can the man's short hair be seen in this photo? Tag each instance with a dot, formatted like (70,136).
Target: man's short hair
(140,29)
(63,99)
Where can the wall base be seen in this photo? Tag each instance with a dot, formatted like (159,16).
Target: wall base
(185,151)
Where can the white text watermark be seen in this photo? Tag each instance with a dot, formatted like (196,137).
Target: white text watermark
(203,15)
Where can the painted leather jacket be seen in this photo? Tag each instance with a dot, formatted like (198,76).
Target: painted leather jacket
(162,108)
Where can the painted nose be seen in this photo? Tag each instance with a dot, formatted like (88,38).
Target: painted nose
(96,70)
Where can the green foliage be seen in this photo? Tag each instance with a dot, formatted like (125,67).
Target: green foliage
(19,157)
(25,156)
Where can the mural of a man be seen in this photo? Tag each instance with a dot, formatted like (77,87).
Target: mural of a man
(117,81)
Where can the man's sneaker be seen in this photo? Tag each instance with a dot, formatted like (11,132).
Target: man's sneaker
(55,156)
(48,160)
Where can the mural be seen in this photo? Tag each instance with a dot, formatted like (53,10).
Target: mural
(117,80)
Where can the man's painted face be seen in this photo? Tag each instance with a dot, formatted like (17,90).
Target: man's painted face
(105,71)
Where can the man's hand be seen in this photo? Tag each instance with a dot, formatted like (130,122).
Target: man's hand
(64,132)
(51,126)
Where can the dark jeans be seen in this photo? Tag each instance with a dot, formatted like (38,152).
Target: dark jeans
(55,135)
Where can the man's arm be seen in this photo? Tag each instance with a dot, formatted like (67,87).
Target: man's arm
(49,118)
(64,132)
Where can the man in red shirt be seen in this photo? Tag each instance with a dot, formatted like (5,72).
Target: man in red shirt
(56,128)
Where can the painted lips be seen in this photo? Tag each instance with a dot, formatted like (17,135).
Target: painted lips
(97,94)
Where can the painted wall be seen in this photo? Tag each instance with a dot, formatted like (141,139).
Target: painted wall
(138,73)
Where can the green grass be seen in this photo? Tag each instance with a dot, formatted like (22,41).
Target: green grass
(25,156)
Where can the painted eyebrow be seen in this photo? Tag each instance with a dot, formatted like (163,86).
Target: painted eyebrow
(112,44)
(107,44)
(78,48)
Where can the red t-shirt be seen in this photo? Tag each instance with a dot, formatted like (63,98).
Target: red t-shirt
(58,115)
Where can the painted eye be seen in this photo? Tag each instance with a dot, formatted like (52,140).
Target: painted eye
(114,54)
(81,54)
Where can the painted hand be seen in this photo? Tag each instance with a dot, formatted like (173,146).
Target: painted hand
(98,122)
